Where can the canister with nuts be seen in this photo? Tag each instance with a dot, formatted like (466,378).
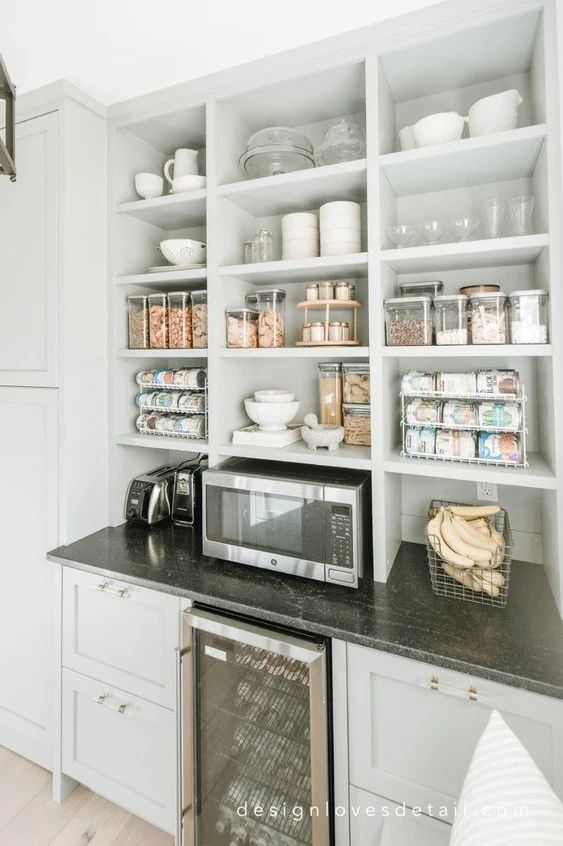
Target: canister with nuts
(138,308)
(271,319)
(179,320)
(242,328)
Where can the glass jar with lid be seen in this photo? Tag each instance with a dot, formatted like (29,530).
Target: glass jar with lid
(179,320)
(242,328)
(317,331)
(336,331)
(356,383)
(307,333)
(357,424)
(199,319)
(528,317)
(421,287)
(488,318)
(326,291)
(138,310)
(158,321)
(271,320)
(343,290)
(330,392)
(408,321)
(263,246)
(450,318)
(312,292)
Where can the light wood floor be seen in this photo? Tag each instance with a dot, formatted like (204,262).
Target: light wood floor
(28,816)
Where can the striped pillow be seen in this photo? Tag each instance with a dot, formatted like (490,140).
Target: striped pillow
(505,800)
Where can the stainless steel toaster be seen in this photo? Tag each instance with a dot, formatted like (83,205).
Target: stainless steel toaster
(149,496)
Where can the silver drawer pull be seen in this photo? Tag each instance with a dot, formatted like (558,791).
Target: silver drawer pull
(450,690)
(108,588)
(118,707)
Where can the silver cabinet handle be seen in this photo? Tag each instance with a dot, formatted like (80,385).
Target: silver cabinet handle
(115,591)
(118,707)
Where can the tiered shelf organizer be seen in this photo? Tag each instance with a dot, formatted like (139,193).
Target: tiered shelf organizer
(147,387)
(443,396)
(335,305)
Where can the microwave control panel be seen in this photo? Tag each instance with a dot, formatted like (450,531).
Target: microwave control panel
(341,541)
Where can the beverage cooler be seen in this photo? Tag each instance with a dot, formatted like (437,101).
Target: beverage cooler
(255,735)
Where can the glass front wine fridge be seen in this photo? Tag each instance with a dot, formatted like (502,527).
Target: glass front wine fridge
(255,762)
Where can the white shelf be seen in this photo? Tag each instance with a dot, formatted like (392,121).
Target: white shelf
(175,211)
(304,189)
(136,439)
(353,457)
(351,266)
(162,354)
(297,352)
(463,255)
(190,277)
(472,161)
(537,475)
(484,351)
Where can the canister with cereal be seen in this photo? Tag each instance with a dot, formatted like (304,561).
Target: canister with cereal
(356,382)
(271,319)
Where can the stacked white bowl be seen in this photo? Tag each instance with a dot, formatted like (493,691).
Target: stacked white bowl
(341,228)
(300,235)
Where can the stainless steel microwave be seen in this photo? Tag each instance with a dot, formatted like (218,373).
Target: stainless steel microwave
(308,521)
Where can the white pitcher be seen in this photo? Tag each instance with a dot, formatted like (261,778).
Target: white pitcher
(497,113)
(185,164)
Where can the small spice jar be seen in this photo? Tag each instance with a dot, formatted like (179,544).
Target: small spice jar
(312,292)
(317,331)
(307,333)
(199,319)
(158,321)
(330,392)
(357,424)
(450,319)
(528,317)
(271,320)
(345,330)
(179,320)
(326,291)
(408,321)
(138,309)
(242,328)
(343,290)
(488,318)
(335,331)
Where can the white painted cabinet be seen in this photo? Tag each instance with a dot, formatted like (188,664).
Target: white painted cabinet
(378,822)
(413,727)
(121,633)
(28,505)
(120,746)
(29,257)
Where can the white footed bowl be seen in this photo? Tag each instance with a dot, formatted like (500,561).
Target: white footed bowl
(274,396)
(271,416)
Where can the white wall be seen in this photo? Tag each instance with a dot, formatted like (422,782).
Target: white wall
(116,50)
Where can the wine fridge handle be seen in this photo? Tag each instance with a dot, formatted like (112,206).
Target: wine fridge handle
(186,760)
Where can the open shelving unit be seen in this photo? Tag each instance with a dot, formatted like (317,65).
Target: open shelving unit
(388,79)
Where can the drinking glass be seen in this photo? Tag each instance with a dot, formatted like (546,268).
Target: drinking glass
(521,210)
(493,215)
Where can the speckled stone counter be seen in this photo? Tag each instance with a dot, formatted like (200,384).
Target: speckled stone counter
(520,645)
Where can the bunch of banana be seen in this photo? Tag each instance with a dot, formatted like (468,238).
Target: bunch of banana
(470,547)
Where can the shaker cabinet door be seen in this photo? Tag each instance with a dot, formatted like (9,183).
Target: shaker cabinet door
(375,821)
(29,244)
(28,505)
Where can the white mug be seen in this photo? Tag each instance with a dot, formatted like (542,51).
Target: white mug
(185,164)
(149,185)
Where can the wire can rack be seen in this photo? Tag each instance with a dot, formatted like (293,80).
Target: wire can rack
(190,381)
(445,585)
(520,432)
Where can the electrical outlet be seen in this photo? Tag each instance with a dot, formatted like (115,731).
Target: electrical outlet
(487,490)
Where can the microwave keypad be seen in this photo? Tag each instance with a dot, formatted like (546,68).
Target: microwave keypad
(341,536)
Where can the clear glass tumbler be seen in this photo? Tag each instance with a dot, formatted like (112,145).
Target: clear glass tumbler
(493,216)
(521,211)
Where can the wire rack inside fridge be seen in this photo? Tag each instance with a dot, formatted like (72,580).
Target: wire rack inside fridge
(173,403)
(419,437)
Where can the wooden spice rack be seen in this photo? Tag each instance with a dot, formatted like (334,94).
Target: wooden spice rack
(326,306)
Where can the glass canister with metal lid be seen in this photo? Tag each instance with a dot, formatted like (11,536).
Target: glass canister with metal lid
(450,318)
(271,320)
(330,392)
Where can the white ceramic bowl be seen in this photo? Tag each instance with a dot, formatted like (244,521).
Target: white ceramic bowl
(341,233)
(338,221)
(497,113)
(300,219)
(300,248)
(340,248)
(183,251)
(149,185)
(274,396)
(438,129)
(190,182)
(271,416)
(346,207)
(406,138)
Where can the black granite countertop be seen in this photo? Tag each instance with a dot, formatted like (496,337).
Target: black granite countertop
(520,645)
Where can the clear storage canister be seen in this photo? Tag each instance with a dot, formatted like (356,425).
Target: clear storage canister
(330,393)
(138,307)
(450,319)
(488,319)
(199,319)
(180,320)
(357,424)
(408,321)
(356,383)
(242,328)
(528,317)
(421,287)
(271,320)
(158,321)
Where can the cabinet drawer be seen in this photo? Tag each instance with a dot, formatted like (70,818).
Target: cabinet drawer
(414,727)
(375,821)
(121,633)
(121,747)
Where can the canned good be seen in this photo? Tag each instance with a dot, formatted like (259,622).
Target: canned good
(421,411)
(417,381)
(501,415)
(498,382)
(459,413)
(420,441)
(456,383)
(503,446)
(455,444)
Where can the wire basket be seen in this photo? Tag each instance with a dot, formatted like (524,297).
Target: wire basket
(445,585)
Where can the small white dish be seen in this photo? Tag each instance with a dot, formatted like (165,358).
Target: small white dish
(440,128)
(274,396)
